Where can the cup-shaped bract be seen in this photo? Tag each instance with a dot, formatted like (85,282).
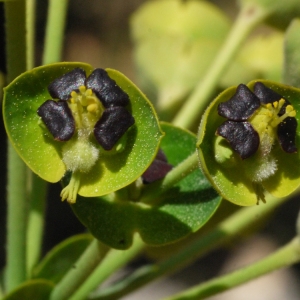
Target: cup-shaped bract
(248,142)
(101,128)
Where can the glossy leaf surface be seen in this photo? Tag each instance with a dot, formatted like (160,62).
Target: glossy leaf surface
(180,211)
(232,178)
(31,290)
(114,169)
(61,258)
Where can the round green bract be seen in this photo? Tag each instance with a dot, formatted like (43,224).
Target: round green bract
(180,211)
(43,154)
(232,182)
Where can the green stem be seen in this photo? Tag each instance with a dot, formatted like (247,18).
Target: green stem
(284,257)
(152,191)
(37,186)
(36,220)
(114,260)
(249,17)
(57,13)
(223,233)
(30,33)
(16,179)
(84,266)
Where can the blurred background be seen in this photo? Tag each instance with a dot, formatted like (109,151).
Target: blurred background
(98,32)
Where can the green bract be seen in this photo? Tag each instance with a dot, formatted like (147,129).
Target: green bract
(96,171)
(244,166)
(180,211)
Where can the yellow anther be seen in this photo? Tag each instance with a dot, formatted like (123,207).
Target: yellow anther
(82,89)
(288,109)
(281,103)
(89,92)
(269,106)
(275,104)
(73,94)
(92,107)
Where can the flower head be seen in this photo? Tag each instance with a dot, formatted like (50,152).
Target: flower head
(248,142)
(256,119)
(83,110)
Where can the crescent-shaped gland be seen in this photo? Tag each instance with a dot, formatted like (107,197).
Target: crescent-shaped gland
(241,136)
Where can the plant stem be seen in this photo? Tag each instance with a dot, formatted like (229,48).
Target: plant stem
(30,33)
(84,266)
(249,17)
(16,178)
(36,220)
(37,186)
(114,260)
(56,19)
(285,256)
(226,231)
(152,191)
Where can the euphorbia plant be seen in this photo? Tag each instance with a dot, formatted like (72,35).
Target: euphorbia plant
(133,180)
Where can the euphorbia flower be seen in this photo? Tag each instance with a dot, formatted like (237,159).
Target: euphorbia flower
(255,146)
(83,109)
(254,118)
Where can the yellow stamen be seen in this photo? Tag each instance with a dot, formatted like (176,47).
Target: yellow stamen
(266,120)
(69,193)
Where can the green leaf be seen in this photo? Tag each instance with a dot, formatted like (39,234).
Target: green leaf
(232,178)
(61,258)
(186,36)
(291,70)
(115,169)
(181,210)
(36,289)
